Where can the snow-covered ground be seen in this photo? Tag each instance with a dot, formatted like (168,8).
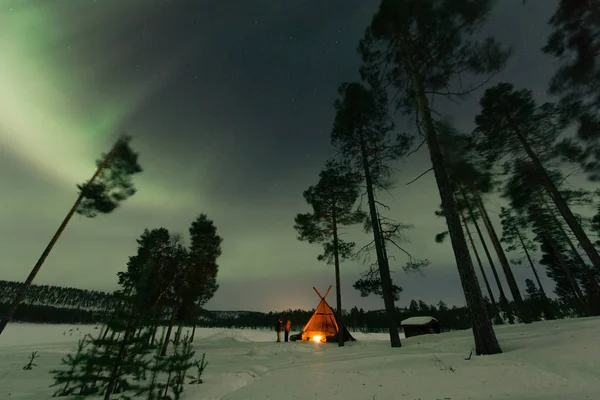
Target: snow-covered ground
(546,360)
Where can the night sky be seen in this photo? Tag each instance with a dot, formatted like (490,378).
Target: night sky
(230,104)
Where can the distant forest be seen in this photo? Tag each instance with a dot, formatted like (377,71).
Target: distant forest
(64,305)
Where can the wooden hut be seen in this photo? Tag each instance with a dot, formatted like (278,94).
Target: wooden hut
(415,326)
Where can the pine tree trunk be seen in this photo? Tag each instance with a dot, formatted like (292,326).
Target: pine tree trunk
(338,286)
(38,265)
(153,323)
(194,328)
(548,314)
(165,343)
(483,274)
(179,330)
(483,331)
(590,277)
(167,385)
(535,273)
(559,201)
(502,300)
(384,271)
(112,381)
(561,260)
(153,336)
(103,336)
(383,243)
(572,281)
(510,278)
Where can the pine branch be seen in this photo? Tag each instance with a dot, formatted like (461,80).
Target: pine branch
(420,176)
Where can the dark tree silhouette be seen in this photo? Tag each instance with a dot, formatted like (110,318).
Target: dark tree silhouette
(528,196)
(110,185)
(333,201)
(575,42)
(205,249)
(511,123)
(513,227)
(420,48)
(362,132)
(473,177)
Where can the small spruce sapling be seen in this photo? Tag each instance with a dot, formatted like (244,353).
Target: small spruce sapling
(31,364)
(73,362)
(200,365)
(154,387)
(177,365)
(182,363)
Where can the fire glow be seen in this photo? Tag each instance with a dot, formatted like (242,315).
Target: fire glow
(316,339)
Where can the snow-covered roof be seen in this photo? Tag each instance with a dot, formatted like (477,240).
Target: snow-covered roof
(417,321)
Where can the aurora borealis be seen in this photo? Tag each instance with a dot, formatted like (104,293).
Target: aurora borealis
(230,105)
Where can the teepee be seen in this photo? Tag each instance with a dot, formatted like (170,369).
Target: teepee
(323,326)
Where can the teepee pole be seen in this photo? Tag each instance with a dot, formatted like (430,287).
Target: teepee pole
(317,292)
(327,292)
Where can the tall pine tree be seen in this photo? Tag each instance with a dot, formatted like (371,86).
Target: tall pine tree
(333,200)
(421,48)
(363,133)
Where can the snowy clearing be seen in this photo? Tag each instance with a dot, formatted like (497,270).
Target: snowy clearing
(546,360)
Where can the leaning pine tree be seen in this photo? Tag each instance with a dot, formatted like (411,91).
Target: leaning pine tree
(528,195)
(513,235)
(422,48)
(332,200)
(110,185)
(472,178)
(510,122)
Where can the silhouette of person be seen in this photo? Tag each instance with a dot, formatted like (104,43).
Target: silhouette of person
(288,326)
(278,328)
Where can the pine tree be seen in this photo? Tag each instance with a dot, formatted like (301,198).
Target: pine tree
(511,123)
(200,365)
(528,195)
(494,306)
(154,275)
(595,223)
(413,307)
(156,366)
(421,48)
(180,362)
(111,185)
(332,201)
(362,132)
(554,263)
(575,42)
(74,364)
(472,177)
(512,235)
(197,284)
(110,365)
(538,303)
(205,249)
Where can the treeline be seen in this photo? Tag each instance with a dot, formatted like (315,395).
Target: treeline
(58,296)
(355,319)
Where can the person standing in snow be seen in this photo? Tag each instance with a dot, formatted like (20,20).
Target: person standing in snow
(278,328)
(288,326)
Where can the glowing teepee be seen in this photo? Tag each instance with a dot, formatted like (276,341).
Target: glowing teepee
(323,326)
